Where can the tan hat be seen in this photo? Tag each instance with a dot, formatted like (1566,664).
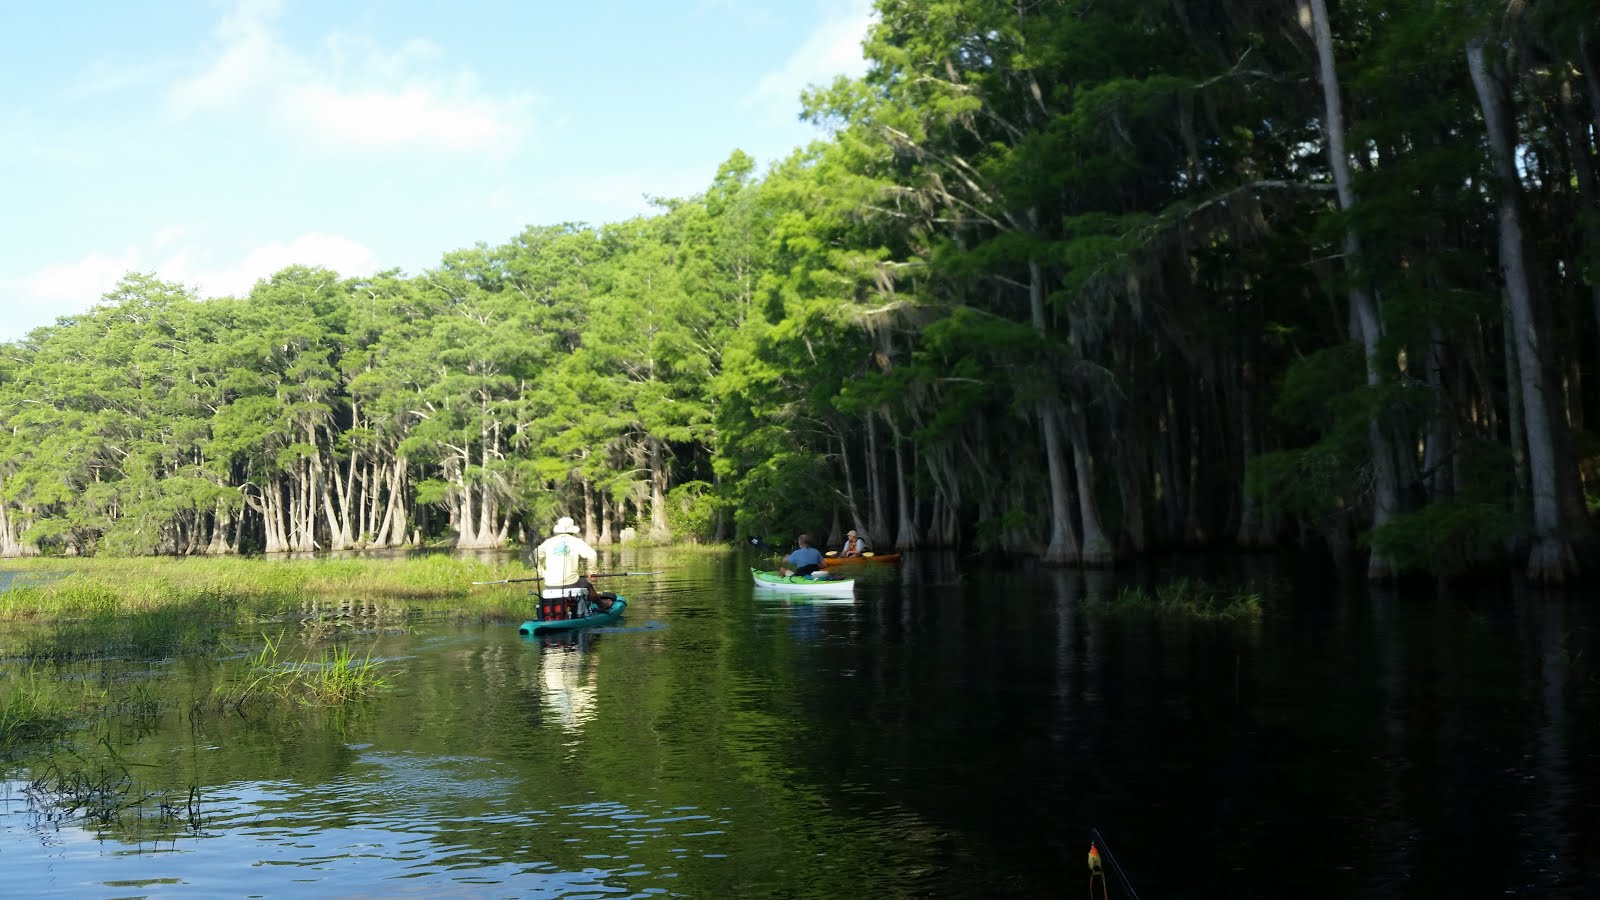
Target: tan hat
(564,526)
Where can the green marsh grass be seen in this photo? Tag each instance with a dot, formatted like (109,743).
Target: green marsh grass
(243,589)
(1189,598)
(34,710)
(144,634)
(338,676)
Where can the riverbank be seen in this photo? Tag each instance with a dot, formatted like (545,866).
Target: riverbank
(55,590)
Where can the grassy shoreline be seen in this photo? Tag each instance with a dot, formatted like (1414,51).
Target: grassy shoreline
(241,588)
(63,612)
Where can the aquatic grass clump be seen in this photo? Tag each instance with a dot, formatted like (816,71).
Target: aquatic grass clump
(76,598)
(33,710)
(1189,598)
(337,677)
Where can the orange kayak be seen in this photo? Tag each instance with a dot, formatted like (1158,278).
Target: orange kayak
(834,562)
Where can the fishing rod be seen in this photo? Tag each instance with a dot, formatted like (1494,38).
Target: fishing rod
(1097,842)
(590,575)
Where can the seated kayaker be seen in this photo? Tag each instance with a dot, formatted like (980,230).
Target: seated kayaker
(805,558)
(853,545)
(558,564)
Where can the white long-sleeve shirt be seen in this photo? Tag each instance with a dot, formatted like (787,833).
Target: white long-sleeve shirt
(559,559)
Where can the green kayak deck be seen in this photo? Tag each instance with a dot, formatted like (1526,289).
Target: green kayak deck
(803,584)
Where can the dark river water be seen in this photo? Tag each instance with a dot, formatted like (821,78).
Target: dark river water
(949,732)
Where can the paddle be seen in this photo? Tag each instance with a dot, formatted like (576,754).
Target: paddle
(591,575)
(758,542)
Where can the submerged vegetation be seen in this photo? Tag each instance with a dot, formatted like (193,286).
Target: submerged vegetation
(102,794)
(39,705)
(33,710)
(162,608)
(336,677)
(1190,598)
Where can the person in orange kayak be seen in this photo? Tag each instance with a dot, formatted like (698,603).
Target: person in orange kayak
(853,544)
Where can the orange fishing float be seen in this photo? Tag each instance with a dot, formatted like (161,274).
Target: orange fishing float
(1096,871)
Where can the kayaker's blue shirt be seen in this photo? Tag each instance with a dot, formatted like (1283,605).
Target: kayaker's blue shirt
(805,556)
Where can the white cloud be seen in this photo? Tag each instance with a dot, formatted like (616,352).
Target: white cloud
(833,48)
(72,287)
(64,289)
(415,114)
(355,94)
(60,289)
(168,236)
(347,257)
(617,195)
(250,62)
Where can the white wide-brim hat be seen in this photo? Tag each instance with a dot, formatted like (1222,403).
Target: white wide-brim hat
(564,526)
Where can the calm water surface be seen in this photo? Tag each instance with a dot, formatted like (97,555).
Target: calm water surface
(952,732)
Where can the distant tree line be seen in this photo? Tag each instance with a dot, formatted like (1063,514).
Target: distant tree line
(1079,280)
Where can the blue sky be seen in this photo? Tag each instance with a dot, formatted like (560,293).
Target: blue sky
(213,143)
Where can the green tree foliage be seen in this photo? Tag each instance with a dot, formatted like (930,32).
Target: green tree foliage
(1061,278)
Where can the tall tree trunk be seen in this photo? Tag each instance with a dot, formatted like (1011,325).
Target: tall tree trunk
(1589,61)
(463,520)
(275,532)
(338,526)
(1133,487)
(1586,209)
(659,532)
(1063,548)
(906,537)
(304,510)
(1194,530)
(1364,306)
(1516,431)
(488,507)
(590,531)
(1256,529)
(1551,560)
(1098,550)
(1440,449)
(392,531)
(221,518)
(851,508)
(1171,490)
(12,526)
(878,527)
